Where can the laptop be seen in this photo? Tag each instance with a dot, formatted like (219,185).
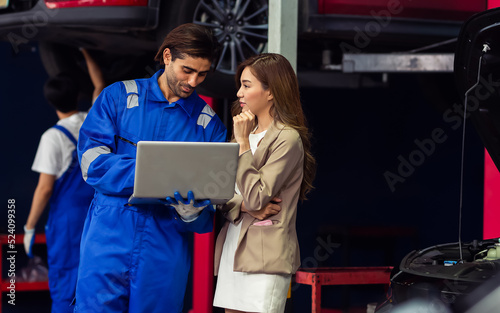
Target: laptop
(164,167)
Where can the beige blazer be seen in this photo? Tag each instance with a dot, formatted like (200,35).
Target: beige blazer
(276,169)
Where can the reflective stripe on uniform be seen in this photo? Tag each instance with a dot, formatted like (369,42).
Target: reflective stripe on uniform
(205,116)
(89,156)
(132,93)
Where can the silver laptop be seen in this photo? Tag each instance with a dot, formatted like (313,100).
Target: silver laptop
(164,167)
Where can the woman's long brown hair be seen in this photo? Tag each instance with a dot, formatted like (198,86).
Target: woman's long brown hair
(276,74)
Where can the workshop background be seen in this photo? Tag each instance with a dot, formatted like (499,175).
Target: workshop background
(352,218)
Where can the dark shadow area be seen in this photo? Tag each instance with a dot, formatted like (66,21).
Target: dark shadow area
(385,186)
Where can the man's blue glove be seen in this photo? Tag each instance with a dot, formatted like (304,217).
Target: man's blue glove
(188,209)
(29,239)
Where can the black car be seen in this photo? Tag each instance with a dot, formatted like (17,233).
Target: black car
(123,35)
(463,276)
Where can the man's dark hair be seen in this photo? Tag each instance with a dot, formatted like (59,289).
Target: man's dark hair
(191,40)
(61,92)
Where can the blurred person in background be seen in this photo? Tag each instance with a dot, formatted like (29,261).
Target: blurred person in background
(61,186)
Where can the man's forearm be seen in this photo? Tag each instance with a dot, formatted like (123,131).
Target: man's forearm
(41,198)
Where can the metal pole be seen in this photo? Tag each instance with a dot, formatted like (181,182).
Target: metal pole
(283,27)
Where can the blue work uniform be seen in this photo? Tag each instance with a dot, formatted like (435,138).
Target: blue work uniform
(135,258)
(69,204)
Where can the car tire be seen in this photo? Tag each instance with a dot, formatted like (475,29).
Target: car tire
(242,31)
(58,58)
(173,14)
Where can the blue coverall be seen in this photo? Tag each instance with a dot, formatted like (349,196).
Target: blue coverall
(69,204)
(136,258)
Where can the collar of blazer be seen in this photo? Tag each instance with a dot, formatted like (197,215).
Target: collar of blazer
(259,159)
(272,133)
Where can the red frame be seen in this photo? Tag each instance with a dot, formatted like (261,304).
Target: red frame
(203,261)
(491,204)
(20,286)
(57,4)
(424,9)
(327,276)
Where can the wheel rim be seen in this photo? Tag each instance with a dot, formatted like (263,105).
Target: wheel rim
(239,25)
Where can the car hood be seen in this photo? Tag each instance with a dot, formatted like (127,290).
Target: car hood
(477,74)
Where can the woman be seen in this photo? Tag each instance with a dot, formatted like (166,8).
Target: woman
(257,249)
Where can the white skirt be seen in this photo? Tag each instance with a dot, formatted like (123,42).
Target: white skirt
(263,293)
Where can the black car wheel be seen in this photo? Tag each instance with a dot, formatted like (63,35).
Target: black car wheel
(57,58)
(241,27)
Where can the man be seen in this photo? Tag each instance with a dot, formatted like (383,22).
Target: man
(61,183)
(135,258)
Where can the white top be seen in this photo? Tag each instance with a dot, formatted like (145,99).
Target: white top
(55,149)
(254,140)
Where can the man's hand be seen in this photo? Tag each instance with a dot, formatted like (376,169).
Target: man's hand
(270,209)
(188,209)
(29,239)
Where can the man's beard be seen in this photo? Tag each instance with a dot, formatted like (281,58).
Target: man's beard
(176,87)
